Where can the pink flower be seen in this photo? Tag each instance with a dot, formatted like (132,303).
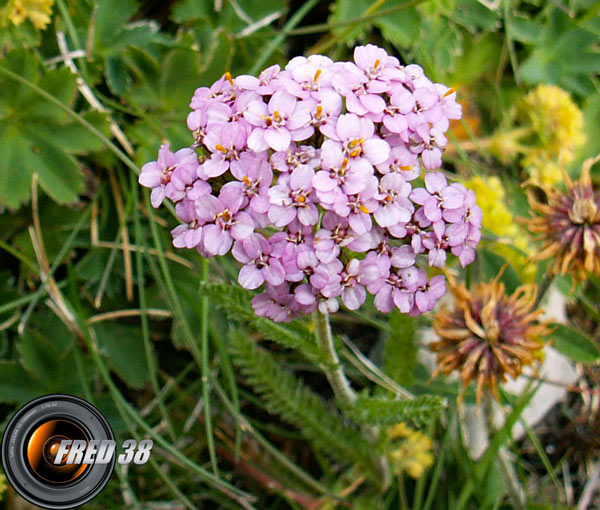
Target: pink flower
(225,143)
(438,195)
(310,156)
(277,123)
(394,205)
(356,135)
(291,198)
(223,221)
(157,174)
(259,266)
(255,176)
(293,157)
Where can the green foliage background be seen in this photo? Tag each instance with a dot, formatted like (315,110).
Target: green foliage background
(94,300)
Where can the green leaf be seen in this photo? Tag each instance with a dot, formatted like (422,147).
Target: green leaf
(139,33)
(14,95)
(191,10)
(16,385)
(525,29)
(481,56)
(74,140)
(565,56)
(575,344)
(344,10)
(401,28)
(383,411)
(217,58)
(591,115)
(179,78)
(492,263)
(475,16)
(111,16)
(46,349)
(442,45)
(234,301)
(59,172)
(400,356)
(16,158)
(284,394)
(123,346)
(116,74)
(60,83)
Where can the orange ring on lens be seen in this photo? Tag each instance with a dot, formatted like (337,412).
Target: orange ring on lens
(43,438)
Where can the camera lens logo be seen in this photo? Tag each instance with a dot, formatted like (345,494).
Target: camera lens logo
(58,452)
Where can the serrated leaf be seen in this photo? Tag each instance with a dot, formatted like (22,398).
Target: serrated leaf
(60,83)
(111,16)
(16,159)
(14,95)
(139,33)
(344,10)
(59,173)
(123,346)
(402,28)
(72,138)
(574,343)
(383,411)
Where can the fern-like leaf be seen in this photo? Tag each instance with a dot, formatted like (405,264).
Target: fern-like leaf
(383,411)
(400,355)
(234,302)
(286,395)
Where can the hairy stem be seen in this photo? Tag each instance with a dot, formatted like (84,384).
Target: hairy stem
(341,387)
(332,367)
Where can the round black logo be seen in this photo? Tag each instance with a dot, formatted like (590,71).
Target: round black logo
(35,458)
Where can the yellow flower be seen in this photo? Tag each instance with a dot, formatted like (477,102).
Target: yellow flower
(413,454)
(542,171)
(38,11)
(556,121)
(547,131)
(498,219)
(3,486)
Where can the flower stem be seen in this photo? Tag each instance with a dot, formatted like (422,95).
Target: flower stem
(342,389)
(332,367)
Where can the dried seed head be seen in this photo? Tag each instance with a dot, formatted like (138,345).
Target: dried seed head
(488,335)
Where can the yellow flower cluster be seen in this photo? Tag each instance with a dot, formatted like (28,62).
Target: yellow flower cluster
(498,219)
(413,454)
(3,486)
(547,131)
(557,125)
(37,11)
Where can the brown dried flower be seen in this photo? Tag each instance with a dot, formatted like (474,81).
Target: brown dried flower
(488,335)
(569,226)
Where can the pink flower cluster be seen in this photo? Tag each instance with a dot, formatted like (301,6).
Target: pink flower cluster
(308,175)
